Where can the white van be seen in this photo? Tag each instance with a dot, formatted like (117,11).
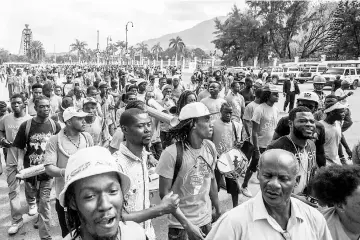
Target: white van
(352,74)
(308,73)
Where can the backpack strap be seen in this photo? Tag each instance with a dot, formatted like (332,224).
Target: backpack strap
(27,128)
(53,126)
(234,130)
(179,157)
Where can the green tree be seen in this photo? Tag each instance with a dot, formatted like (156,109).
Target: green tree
(156,49)
(36,51)
(344,36)
(241,37)
(79,47)
(281,21)
(178,45)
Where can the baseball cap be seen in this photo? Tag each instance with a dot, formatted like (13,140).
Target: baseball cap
(331,108)
(309,96)
(88,162)
(167,86)
(89,100)
(103,85)
(194,110)
(258,83)
(140,81)
(270,88)
(72,112)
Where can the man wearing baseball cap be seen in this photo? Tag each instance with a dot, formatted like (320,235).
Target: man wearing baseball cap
(141,83)
(93,196)
(187,168)
(107,107)
(58,150)
(335,113)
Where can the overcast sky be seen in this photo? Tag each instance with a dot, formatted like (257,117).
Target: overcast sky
(60,22)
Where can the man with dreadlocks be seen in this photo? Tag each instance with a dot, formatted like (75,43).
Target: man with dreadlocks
(187,169)
(93,198)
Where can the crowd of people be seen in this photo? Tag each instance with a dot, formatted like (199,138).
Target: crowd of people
(98,134)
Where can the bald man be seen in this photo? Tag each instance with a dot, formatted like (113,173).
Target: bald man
(273,213)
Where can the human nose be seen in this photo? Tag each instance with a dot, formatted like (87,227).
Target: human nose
(274,183)
(104,203)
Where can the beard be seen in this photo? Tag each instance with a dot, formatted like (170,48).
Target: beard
(298,133)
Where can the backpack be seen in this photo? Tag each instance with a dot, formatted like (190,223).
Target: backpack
(179,157)
(28,126)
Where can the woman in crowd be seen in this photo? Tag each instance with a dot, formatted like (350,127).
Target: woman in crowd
(338,187)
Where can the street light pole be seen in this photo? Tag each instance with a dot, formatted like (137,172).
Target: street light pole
(132,25)
(107,48)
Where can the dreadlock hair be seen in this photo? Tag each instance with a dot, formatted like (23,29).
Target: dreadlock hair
(182,100)
(265,96)
(72,217)
(181,131)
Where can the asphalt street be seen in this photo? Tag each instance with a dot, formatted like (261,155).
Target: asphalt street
(29,233)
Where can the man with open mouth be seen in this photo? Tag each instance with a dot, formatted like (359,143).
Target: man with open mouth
(93,198)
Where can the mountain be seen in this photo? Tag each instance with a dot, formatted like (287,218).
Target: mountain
(200,36)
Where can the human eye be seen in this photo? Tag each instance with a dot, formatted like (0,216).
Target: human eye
(114,191)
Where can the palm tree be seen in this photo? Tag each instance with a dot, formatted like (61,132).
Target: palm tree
(120,45)
(79,47)
(36,51)
(156,49)
(177,44)
(143,47)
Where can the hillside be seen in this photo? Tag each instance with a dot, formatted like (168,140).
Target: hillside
(200,36)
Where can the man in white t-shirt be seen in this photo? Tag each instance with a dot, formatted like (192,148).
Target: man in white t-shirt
(342,97)
(264,123)
(214,102)
(237,101)
(335,113)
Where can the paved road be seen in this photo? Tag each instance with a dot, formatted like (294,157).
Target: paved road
(160,224)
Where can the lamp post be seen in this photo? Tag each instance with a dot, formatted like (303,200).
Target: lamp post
(126,42)
(107,48)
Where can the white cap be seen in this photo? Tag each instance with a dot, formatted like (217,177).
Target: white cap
(309,96)
(337,105)
(72,112)
(88,162)
(89,100)
(194,110)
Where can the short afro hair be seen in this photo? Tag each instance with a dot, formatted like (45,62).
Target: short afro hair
(294,111)
(333,184)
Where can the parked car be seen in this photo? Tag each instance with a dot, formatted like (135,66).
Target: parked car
(277,74)
(308,73)
(352,74)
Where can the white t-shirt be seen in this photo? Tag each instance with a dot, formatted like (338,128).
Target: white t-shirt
(341,93)
(128,231)
(332,141)
(248,114)
(224,136)
(214,106)
(193,181)
(267,117)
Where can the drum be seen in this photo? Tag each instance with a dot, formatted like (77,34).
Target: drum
(232,163)
(154,191)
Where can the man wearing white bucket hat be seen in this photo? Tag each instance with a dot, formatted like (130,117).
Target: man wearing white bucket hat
(187,169)
(93,197)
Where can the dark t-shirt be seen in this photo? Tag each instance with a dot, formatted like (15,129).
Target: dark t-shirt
(283,129)
(249,96)
(38,137)
(306,158)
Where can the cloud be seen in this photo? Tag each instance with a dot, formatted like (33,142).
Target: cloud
(59,23)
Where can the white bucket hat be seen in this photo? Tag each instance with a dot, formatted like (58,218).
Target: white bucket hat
(89,162)
(194,110)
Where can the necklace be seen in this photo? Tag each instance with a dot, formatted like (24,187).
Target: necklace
(76,145)
(299,157)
